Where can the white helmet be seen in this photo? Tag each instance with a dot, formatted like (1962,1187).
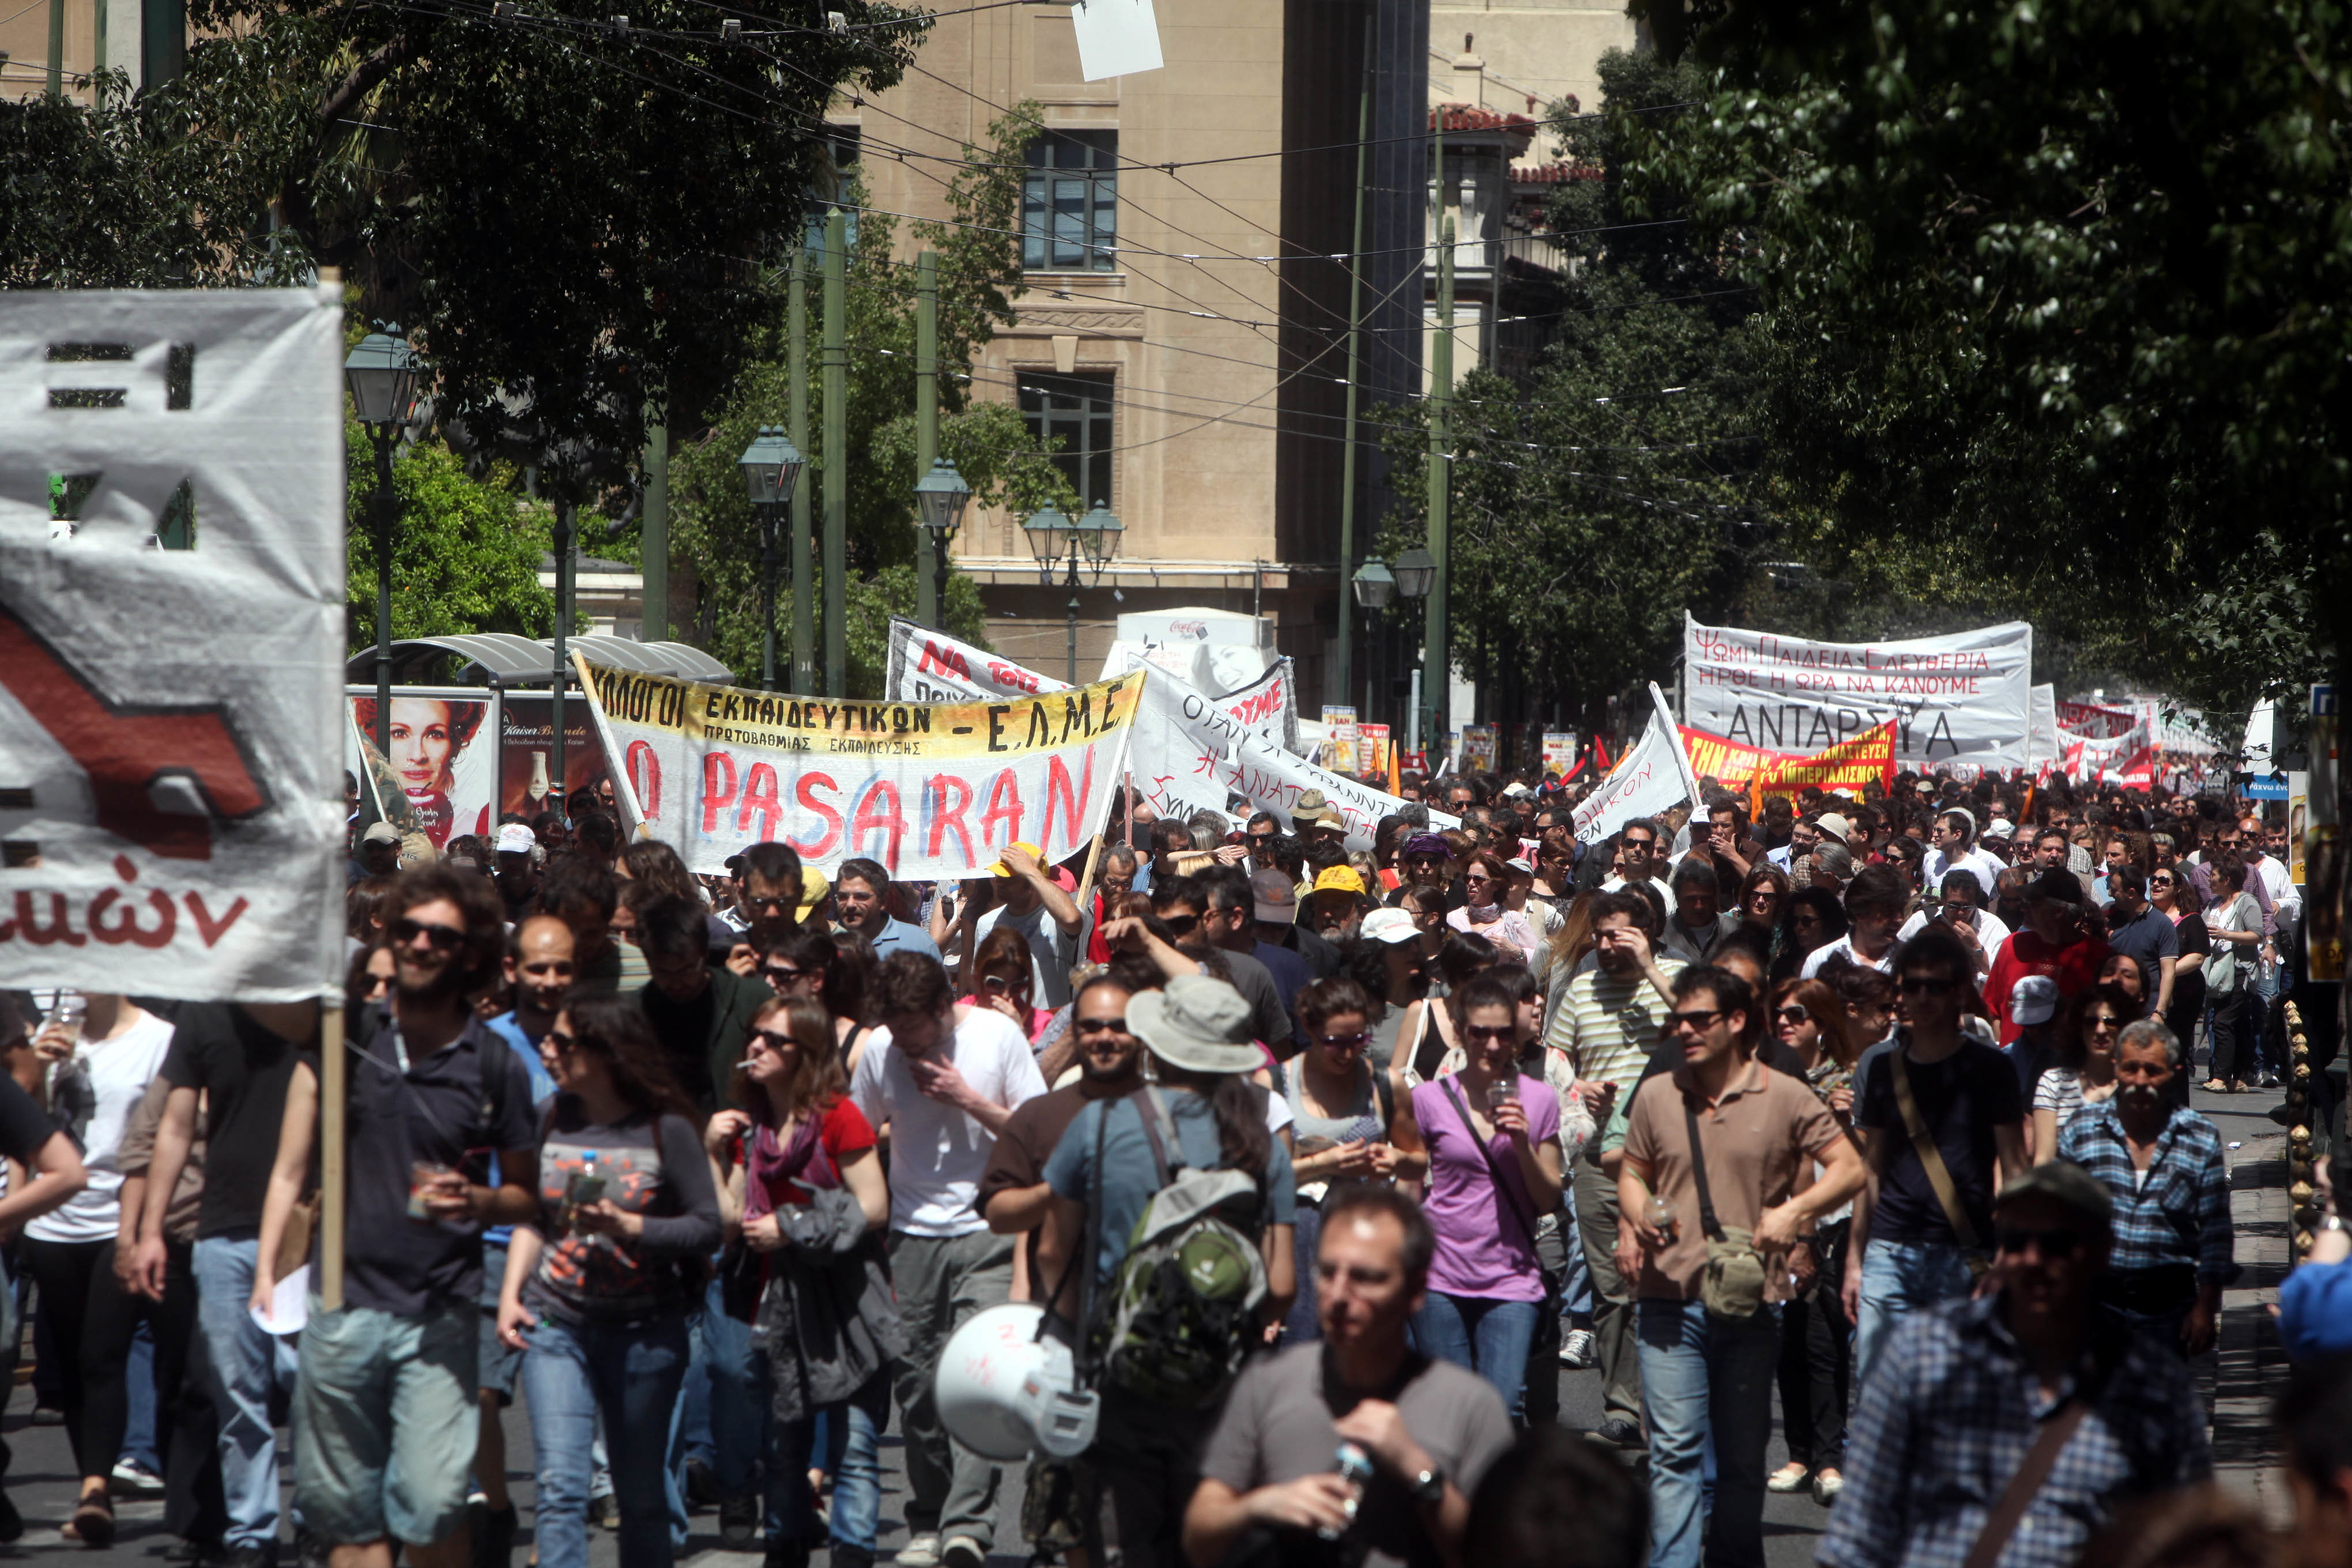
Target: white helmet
(1005,1389)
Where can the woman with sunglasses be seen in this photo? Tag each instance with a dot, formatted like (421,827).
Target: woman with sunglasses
(1003,976)
(830,968)
(1487,882)
(2176,896)
(1761,893)
(2084,1073)
(597,1291)
(1341,1110)
(1490,1135)
(811,1201)
(1811,917)
(1815,1333)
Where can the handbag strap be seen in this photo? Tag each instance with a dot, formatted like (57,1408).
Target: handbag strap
(1511,1195)
(2002,1523)
(1707,1224)
(1931,1158)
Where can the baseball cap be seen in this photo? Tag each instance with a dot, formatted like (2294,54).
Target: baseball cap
(2032,999)
(2061,1180)
(1035,851)
(1276,899)
(1197,1023)
(1338,880)
(2056,883)
(1388,925)
(385,833)
(514,838)
(813,887)
(1831,826)
(1516,791)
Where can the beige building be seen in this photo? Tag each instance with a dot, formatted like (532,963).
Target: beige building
(93,35)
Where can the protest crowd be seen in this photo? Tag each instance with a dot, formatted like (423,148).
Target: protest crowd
(1319,1165)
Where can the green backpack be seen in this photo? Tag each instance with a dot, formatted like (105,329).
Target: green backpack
(1179,1311)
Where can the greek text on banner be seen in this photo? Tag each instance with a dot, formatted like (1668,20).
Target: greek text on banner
(930,790)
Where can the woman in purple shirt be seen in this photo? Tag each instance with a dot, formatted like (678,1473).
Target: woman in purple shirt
(1492,1138)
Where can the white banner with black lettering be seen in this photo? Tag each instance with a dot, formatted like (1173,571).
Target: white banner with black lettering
(171,642)
(1651,778)
(1965,698)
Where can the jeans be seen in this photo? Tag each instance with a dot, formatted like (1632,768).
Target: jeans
(1899,1277)
(248,1365)
(630,1372)
(1304,1325)
(1707,1381)
(943,1281)
(1488,1337)
(140,1442)
(719,1353)
(853,1430)
(1612,1296)
(1576,1279)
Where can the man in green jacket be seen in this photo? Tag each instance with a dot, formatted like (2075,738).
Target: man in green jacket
(701,1013)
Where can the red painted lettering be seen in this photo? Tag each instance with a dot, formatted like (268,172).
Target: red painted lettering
(805,793)
(718,787)
(1003,806)
(938,660)
(878,812)
(946,817)
(760,800)
(645,779)
(210,929)
(1058,792)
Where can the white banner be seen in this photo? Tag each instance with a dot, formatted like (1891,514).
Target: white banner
(170,719)
(2041,731)
(930,790)
(1963,698)
(1649,779)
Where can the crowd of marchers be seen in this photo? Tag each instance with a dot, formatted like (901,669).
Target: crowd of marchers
(1327,1164)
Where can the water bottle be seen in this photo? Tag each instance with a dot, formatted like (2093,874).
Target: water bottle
(1354,1467)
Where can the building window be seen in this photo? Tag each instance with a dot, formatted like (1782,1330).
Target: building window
(1071,415)
(1069,203)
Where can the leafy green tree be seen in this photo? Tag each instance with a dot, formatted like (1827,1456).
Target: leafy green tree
(465,552)
(979,271)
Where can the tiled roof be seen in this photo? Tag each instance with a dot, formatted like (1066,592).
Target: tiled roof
(1469,117)
(1553,173)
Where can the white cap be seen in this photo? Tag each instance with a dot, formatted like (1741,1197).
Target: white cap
(1388,926)
(514,838)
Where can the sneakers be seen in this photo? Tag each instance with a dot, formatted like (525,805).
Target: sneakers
(131,1479)
(605,1510)
(963,1551)
(738,1524)
(921,1552)
(1789,1478)
(1576,1349)
(1618,1433)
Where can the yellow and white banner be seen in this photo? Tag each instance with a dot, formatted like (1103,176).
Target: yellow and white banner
(930,790)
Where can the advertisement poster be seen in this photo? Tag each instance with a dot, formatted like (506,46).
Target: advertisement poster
(1478,742)
(2324,840)
(526,760)
(1559,751)
(930,790)
(1965,698)
(1372,751)
(171,642)
(442,774)
(1340,739)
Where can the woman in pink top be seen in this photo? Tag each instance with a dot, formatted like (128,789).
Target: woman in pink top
(1484,881)
(1491,1136)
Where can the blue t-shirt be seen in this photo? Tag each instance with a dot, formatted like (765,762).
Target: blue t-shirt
(1129,1181)
(526,1045)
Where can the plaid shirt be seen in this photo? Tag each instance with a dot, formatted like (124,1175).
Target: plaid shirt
(1947,1417)
(2182,1215)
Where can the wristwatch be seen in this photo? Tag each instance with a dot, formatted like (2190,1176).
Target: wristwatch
(2334,1221)
(1428,1486)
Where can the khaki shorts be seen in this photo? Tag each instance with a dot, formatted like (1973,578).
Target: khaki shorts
(384,1435)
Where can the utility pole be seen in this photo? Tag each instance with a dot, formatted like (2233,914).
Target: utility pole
(1437,671)
(57,49)
(565,530)
(653,546)
(928,566)
(803,681)
(1355,369)
(835,362)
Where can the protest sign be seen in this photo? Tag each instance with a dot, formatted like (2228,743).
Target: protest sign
(171,642)
(930,790)
(1372,745)
(1648,779)
(2087,720)
(1868,758)
(1963,698)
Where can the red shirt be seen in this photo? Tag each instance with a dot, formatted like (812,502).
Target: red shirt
(2075,968)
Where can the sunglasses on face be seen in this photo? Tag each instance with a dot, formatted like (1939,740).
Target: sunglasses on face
(1920,986)
(1792,1014)
(445,939)
(1491,1031)
(2159,881)
(784,973)
(1698,1018)
(1480,877)
(2051,1243)
(1639,846)
(559,1040)
(1344,1042)
(996,982)
(772,1039)
(1182,925)
(2103,1021)
(1100,1025)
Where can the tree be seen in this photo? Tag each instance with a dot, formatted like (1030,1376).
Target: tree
(979,273)
(465,552)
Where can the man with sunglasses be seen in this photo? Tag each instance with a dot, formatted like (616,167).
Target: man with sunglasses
(385,1434)
(1941,1121)
(1966,1394)
(1961,908)
(1716,1117)
(1641,856)
(768,892)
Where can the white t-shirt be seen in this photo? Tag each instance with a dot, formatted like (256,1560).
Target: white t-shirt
(1843,948)
(1991,930)
(1615,883)
(1985,867)
(118,1071)
(1051,954)
(938,1152)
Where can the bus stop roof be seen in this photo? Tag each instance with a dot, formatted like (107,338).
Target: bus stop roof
(506,660)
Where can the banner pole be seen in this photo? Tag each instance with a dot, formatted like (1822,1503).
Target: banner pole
(332,1133)
(1682,754)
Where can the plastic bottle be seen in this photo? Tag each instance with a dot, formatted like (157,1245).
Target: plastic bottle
(1353,1466)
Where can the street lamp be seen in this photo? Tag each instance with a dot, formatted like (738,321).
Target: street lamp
(771,470)
(382,375)
(1375,586)
(1416,570)
(1055,540)
(940,497)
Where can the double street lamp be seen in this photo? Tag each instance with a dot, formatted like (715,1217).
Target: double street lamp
(1055,540)
(940,497)
(382,375)
(1378,585)
(771,468)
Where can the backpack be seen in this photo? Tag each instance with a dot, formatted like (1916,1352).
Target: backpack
(1181,1310)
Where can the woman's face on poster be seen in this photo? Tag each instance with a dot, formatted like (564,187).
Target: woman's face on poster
(422,743)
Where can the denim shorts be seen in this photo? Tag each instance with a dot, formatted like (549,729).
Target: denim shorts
(384,1442)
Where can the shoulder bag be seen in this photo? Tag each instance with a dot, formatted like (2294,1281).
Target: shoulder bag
(1521,1209)
(1732,1285)
(1931,1159)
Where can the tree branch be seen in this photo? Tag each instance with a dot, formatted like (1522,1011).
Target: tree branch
(364,79)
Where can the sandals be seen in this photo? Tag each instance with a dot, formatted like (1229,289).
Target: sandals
(2214,1086)
(2238,1086)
